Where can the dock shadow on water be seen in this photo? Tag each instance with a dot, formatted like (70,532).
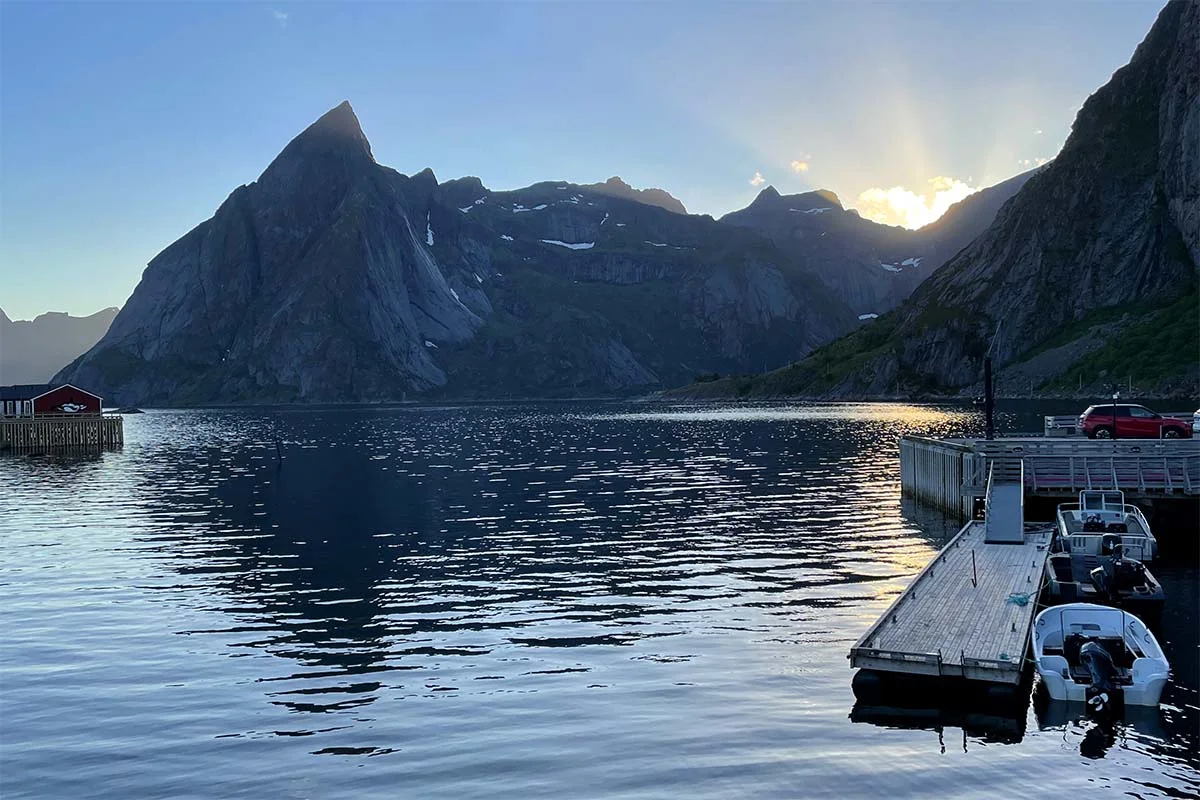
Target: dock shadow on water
(559,600)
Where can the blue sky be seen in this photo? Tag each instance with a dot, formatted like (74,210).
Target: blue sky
(122,126)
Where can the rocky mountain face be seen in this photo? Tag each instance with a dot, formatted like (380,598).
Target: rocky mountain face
(1089,274)
(31,351)
(872,267)
(334,278)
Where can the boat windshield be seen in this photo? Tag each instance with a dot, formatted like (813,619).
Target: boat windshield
(1101,501)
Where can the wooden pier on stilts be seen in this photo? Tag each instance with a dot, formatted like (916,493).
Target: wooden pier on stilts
(55,432)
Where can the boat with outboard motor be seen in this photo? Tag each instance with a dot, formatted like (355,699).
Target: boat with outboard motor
(1095,556)
(1110,579)
(1102,519)
(1098,655)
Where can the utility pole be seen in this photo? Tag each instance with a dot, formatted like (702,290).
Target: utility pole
(989,395)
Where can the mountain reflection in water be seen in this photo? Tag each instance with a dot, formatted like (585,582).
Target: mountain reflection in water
(522,600)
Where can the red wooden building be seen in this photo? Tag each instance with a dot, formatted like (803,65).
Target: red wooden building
(47,400)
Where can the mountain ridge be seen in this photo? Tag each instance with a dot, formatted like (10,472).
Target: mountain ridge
(32,351)
(334,278)
(1088,272)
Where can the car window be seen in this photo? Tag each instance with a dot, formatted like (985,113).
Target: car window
(1142,413)
(1092,410)
(1122,411)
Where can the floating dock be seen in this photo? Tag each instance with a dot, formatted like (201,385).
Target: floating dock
(54,432)
(968,613)
(951,473)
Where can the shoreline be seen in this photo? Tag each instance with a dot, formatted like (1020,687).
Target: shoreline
(666,399)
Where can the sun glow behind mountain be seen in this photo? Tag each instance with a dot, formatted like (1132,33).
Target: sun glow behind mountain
(906,208)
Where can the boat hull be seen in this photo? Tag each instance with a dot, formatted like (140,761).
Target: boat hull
(1136,663)
(1060,688)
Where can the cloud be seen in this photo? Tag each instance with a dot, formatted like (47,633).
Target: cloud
(281,17)
(800,166)
(902,206)
(758,179)
(1038,132)
(1030,163)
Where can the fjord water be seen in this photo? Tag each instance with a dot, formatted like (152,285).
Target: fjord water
(569,600)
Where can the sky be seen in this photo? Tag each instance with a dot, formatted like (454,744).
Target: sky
(124,125)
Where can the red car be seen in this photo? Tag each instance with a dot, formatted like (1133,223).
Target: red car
(1132,422)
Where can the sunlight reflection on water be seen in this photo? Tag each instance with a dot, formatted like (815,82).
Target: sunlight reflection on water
(559,600)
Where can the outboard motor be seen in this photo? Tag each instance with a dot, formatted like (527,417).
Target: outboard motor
(1099,577)
(1110,544)
(1103,695)
(1129,575)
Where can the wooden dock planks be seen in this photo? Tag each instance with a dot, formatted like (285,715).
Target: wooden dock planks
(944,624)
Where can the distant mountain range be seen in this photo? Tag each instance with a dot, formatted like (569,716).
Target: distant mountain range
(1088,275)
(31,351)
(334,278)
(872,267)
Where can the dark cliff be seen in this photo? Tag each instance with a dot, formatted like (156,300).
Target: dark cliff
(1089,273)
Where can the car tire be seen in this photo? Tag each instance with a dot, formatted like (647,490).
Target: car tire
(1172,433)
(1102,432)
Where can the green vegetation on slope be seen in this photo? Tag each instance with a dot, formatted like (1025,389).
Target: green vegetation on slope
(1163,345)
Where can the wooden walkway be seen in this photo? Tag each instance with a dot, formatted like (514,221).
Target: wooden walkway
(962,615)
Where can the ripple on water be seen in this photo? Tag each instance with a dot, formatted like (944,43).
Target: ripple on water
(570,600)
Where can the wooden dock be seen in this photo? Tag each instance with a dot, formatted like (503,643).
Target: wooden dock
(967,614)
(58,432)
(951,473)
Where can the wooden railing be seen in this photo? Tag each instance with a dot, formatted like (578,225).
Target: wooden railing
(950,475)
(68,430)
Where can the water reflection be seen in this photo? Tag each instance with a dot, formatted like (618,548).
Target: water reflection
(489,590)
(985,725)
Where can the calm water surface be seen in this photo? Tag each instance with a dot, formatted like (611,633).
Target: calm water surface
(587,600)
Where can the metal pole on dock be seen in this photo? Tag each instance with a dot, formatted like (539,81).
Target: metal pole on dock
(1116,393)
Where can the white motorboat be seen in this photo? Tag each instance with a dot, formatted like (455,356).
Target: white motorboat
(1098,655)
(1102,524)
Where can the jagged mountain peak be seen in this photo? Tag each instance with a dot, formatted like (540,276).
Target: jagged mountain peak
(766,197)
(335,141)
(770,198)
(618,187)
(338,124)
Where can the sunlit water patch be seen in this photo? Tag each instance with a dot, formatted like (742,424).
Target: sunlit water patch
(528,601)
